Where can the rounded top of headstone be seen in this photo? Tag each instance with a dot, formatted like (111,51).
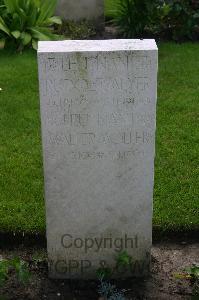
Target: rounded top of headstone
(97,45)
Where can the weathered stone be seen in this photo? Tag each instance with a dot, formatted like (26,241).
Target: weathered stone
(98,111)
(91,10)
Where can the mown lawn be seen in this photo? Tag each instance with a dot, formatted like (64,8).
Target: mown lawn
(176,196)
(21,184)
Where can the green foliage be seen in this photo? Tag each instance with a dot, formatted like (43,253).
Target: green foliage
(106,289)
(192,274)
(19,266)
(181,20)
(177,20)
(104,273)
(4,267)
(123,259)
(1,6)
(133,17)
(24,22)
(193,271)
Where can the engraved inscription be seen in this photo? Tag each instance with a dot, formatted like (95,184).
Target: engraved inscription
(91,138)
(113,99)
(100,62)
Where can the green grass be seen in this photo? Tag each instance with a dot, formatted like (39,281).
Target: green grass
(21,185)
(176,196)
(177,165)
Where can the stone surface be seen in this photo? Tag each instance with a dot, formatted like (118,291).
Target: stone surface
(98,112)
(77,10)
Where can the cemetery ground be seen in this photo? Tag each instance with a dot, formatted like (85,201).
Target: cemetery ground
(176,179)
(176,166)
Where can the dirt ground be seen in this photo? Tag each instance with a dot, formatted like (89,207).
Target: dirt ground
(167,259)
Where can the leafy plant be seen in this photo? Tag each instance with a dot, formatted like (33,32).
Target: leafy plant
(132,17)
(109,291)
(19,266)
(117,295)
(1,6)
(25,22)
(173,19)
(4,267)
(181,19)
(193,271)
(104,272)
(192,274)
(105,289)
(123,259)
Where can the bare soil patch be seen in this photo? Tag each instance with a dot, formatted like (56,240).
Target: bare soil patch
(167,259)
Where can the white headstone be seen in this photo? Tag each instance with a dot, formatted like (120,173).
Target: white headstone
(77,10)
(98,112)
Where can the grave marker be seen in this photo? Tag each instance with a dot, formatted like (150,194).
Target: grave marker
(76,10)
(98,111)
